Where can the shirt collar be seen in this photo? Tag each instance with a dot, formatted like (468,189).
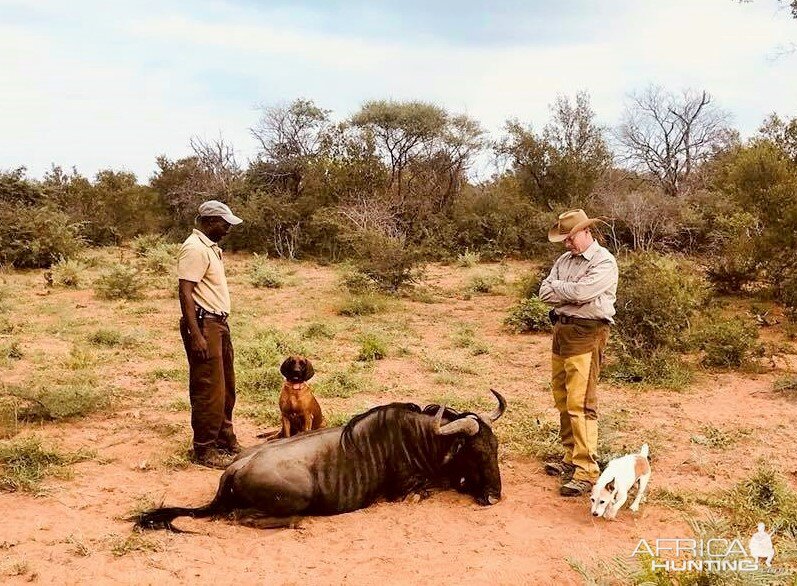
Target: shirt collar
(591,250)
(205,240)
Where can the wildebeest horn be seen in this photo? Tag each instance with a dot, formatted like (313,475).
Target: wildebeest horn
(490,417)
(466,425)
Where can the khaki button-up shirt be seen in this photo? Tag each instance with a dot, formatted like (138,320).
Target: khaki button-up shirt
(200,262)
(583,285)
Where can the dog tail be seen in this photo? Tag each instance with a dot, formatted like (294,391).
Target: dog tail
(644,450)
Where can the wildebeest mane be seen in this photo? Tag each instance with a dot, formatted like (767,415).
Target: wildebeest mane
(379,415)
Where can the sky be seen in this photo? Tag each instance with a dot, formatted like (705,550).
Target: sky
(96,85)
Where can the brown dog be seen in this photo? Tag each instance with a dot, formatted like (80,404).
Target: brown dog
(299,408)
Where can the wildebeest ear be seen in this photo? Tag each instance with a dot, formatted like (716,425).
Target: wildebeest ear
(309,371)
(285,366)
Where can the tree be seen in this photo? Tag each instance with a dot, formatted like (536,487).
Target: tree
(564,162)
(669,135)
(781,133)
(290,137)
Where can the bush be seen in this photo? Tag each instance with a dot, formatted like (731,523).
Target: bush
(120,281)
(262,275)
(483,283)
(727,343)
(67,273)
(468,258)
(733,263)
(145,242)
(357,282)
(24,463)
(662,368)
(372,347)
(656,297)
(529,284)
(529,315)
(161,259)
(765,496)
(390,261)
(367,304)
(36,237)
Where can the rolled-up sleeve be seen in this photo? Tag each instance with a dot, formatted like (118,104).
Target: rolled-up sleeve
(597,280)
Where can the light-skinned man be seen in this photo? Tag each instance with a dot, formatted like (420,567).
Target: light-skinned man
(582,288)
(205,304)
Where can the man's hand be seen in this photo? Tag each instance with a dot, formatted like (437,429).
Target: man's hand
(199,346)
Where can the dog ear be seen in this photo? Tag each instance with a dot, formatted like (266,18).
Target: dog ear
(309,371)
(284,367)
(610,486)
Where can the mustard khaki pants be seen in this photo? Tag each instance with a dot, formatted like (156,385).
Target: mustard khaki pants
(576,361)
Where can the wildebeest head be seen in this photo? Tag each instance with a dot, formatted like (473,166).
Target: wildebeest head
(472,465)
(297,369)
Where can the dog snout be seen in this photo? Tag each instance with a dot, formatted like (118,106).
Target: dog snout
(595,514)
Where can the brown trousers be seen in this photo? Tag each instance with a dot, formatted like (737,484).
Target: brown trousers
(211,386)
(575,366)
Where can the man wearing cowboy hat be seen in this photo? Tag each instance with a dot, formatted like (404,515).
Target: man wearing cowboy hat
(205,304)
(582,288)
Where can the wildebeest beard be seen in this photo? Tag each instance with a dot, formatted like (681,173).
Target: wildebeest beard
(389,451)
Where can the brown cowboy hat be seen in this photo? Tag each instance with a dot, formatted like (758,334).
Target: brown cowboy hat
(568,223)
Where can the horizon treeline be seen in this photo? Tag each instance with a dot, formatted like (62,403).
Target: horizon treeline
(673,175)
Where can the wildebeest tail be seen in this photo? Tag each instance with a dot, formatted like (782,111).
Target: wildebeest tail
(162,517)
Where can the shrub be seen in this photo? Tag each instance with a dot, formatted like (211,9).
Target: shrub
(483,283)
(262,275)
(389,260)
(662,368)
(36,237)
(67,273)
(786,385)
(765,496)
(143,243)
(341,384)
(10,350)
(24,463)
(120,281)
(161,259)
(110,338)
(529,284)
(372,347)
(367,304)
(357,282)
(656,297)
(468,258)
(318,330)
(529,315)
(727,343)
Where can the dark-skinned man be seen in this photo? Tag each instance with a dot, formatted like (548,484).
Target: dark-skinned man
(205,304)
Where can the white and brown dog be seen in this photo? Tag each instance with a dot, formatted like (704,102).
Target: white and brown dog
(611,491)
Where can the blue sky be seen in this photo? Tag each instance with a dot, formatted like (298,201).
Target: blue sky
(97,84)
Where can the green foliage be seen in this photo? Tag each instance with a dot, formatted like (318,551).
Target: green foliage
(67,273)
(357,282)
(647,319)
(388,260)
(359,305)
(263,275)
(110,338)
(143,243)
(727,343)
(662,368)
(161,259)
(763,497)
(342,383)
(372,347)
(68,400)
(465,337)
(315,330)
(469,258)
(529,284)
(714,437)
(36,237)
(733,262)
(529,315)
(483,283)
(786,385)
(25,463)
(258,359)
(120,281)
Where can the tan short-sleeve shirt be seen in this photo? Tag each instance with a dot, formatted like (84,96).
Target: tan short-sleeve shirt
(200,261)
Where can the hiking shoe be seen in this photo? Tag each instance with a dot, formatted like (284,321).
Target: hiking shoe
(560,468)
(212,458)
(576,488)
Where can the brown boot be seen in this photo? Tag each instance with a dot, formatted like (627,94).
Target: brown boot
(211,458)
(560,468)
(576,488)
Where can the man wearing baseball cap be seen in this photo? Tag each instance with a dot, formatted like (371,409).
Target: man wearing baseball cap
(582,288)
(205,305)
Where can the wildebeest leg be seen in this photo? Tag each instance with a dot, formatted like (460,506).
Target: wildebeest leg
(258,520)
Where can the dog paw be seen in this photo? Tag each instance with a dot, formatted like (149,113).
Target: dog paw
(634,508)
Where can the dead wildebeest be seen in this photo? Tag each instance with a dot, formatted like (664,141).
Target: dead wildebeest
(390,451)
